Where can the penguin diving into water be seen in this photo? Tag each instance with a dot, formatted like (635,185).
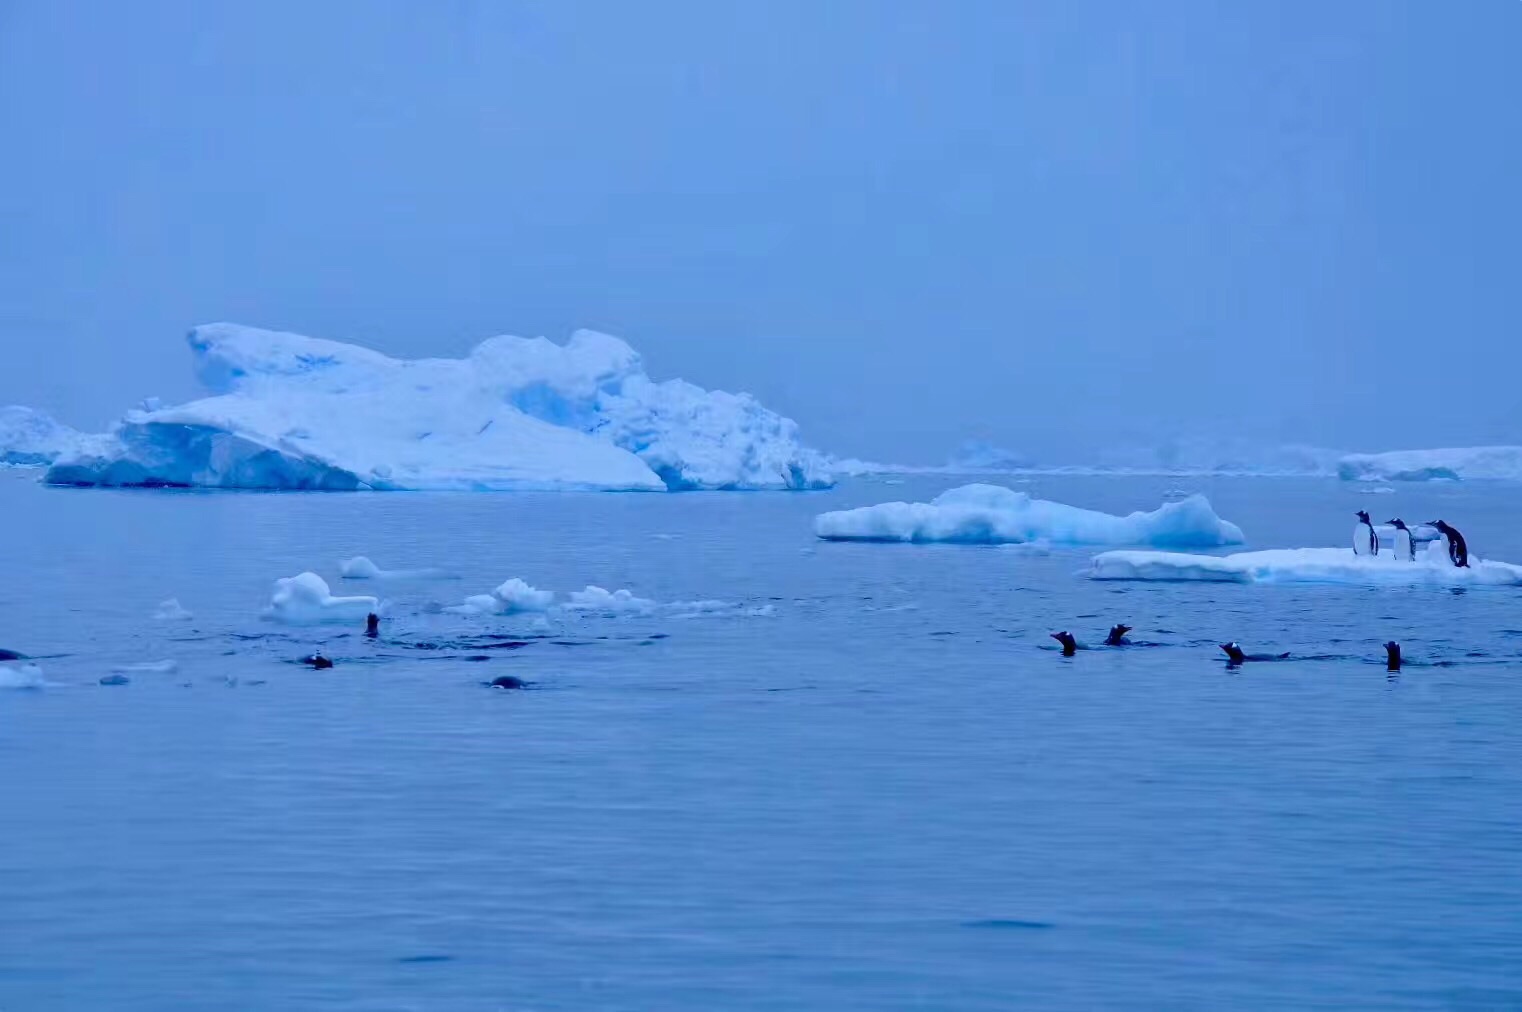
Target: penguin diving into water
(1405,546)
(1365,540)
(1458,551)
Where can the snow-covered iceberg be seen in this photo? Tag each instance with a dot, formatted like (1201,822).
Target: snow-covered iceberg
(289,411)
(1307,565)
(1493,462)
(513,597)
(991,514)
(29,438)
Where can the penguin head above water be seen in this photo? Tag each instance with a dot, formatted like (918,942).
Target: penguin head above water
(1363,517)
(1392,655)
(1069,644)
(372,625)
(1117,634)
(1234,654)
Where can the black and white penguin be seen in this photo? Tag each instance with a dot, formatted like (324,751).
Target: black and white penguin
(1405,547)
(1365,540)
(372,625)
(1235,655)
(507,682)
(1070,646)
(1117,637)
(1392,656)
(1458,551)
(316,660)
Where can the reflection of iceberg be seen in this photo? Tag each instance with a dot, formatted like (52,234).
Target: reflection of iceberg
(1307,565)
(297,412)
(992,514)
(1501,462)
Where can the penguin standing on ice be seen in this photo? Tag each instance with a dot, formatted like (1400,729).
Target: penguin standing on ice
(1404,546)
(1365,541)
(1458,551)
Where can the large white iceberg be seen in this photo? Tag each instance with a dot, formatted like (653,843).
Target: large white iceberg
(1496,462)
(29,438)
(1307,565)
(289,411)
(305,599)
(991,514)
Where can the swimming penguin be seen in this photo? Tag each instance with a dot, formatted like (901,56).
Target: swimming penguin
(1070,646)
(1235,656)
(316,660)
(1117,637)
(1365,541)
(1458,551)
(1392,656)
(11,655)
(1404,547)
(372,625)
(507,682)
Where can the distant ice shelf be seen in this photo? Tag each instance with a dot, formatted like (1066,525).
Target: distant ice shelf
(992,514)
(1431,568)
(294,412)
(1476,462)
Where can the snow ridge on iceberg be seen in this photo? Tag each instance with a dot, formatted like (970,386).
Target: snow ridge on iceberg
(991,514)
(1431,568)
(289,411)
(29,438)
(1480,462)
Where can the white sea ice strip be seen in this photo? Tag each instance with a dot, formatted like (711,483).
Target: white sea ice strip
(306,600)
(361,568)
(172,611)
(166,667)
(992,514)
(30,438)
(289,411)
(513,597)
(1479,462)
(598,600)
(1431,568)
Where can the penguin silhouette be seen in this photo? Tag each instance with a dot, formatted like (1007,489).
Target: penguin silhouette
(1365,541)
(1235,655)
(1405,545)
(1117,637)
(1458,551)
(1392,656)
(1070,646)
(372,625)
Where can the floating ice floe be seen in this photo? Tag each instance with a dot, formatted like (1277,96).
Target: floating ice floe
(600,601)
(168,667)
(361,568)
(1493,462)
(991,514)
(171,611)
(307,600)
(1307,565)
(514,597)
(21,674)
(296,412)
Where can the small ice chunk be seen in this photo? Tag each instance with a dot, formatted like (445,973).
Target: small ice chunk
(359,568)
(513,597)
(306,600)
(618,602)
(167,667)
(171,611)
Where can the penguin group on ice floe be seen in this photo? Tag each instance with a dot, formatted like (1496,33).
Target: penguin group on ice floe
(1366,539)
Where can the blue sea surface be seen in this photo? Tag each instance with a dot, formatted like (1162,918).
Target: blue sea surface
(865,781)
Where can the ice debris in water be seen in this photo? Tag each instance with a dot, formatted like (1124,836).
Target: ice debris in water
(1307,565)
(513,597)
(306,600)
(598,600)
(171,611)
(1493,462)
(288,411)
(167,667)
(992,514)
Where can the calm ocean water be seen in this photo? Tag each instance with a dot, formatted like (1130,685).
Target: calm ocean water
(863,782)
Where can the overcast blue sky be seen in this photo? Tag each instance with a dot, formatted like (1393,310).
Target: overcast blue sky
(1050,224)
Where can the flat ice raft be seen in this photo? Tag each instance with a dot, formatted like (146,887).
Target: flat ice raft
(993,515)
(289,411)
(1307,565)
